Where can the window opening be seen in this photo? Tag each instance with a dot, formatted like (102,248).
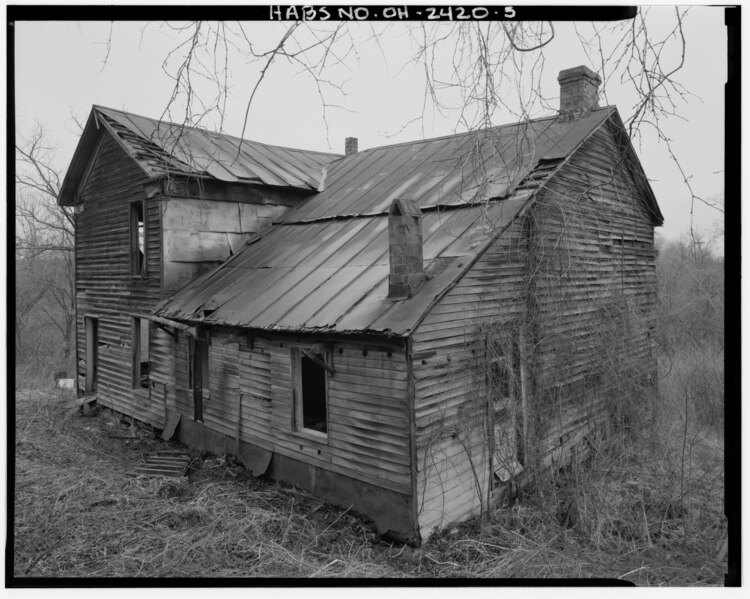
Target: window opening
(198,365)
(137,239)
(312,391)
(92,353)
(140,348)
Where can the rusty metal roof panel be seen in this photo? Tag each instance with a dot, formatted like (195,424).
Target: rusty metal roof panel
(168,146)
(449,171)
(333,275)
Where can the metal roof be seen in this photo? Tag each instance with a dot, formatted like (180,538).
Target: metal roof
(332,275)
(160,147)
(323,266)
(446,171)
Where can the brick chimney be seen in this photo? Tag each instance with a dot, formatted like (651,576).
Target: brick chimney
(579,91)
(350,146)
(404,249)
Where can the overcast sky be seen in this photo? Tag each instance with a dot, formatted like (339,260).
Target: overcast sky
(61,71)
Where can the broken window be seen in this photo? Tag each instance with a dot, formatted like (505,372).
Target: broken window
(312,369)
(140,348)
(137,239)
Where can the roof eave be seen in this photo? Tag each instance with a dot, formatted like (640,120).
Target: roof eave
(81,157)
(639,174)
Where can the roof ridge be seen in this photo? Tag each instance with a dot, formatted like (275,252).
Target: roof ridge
(220,133)
(475,131)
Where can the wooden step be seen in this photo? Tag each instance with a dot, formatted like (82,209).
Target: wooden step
(165,463)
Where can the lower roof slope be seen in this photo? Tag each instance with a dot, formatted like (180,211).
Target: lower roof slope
(332,275)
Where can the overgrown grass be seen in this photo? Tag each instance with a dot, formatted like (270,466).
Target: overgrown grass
(81,510)
(631,513)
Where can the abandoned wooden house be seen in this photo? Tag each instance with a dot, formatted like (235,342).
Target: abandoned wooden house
(406,330)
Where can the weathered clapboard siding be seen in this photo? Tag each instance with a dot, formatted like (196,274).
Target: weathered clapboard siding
(455,465)
(220,408)
(611,277)
(593,296)
(367,425)
(105,288)
(447,382)
(170,368)
(255,387)
(368,413)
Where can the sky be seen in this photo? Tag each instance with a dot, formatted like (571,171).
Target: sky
(63,68)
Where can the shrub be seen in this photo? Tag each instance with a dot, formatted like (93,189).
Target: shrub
(695,378)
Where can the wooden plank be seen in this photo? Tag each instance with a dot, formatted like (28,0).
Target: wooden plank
(173,421)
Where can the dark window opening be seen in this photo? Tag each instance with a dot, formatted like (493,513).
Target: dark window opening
(137,239)
(197,371)
(198,365)
(92,353)
(140,348)
(314,389)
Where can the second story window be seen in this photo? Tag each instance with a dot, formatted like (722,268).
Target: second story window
(138,239)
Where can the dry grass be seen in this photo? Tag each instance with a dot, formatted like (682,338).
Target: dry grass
(81,512)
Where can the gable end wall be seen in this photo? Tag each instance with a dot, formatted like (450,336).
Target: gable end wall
(592,299)
(104,286)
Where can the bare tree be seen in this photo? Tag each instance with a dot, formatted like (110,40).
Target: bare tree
(45,285)
(477,72)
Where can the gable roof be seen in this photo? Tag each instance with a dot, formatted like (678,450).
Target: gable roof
(161,148)
(454,170)
(323,266)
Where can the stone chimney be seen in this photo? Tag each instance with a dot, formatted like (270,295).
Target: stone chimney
(404,249)
(579,91)
(350,146)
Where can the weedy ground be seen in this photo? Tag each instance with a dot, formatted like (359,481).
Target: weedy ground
(648,509)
